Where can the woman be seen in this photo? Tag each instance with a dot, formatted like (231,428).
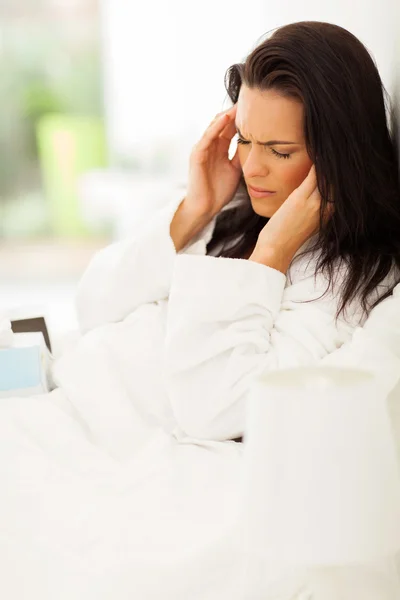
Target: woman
(128,482)
(309,109)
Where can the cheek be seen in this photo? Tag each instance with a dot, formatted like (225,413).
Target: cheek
(293,172)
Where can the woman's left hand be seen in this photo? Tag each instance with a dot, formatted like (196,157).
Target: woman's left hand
(291,226)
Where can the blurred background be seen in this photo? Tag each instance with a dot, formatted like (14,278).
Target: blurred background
(101,102)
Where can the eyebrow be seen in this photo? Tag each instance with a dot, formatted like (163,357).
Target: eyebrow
(270,143)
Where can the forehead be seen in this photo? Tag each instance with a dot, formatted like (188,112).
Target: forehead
(266,115)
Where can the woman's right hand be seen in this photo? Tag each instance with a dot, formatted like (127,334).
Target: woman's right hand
(213,178)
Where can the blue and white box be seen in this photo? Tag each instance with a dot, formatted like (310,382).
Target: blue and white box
(25,366)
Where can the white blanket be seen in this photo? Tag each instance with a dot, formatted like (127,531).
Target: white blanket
(123,483)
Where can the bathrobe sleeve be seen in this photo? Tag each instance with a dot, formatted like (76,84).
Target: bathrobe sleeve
(228,321)
(134,271)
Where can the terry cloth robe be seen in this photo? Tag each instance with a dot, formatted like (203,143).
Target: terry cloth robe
(206,326)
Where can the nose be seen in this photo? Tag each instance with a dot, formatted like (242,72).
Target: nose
(255,166)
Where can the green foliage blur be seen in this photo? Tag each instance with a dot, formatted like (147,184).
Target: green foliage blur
(43,70)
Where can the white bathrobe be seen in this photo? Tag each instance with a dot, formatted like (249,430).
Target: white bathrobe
(201,328)
(122,483)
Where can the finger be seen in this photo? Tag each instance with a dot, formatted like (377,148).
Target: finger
(215,119)
(232,118)
(217,127)
(235,162)
(315,197)
(309,184)
(212,132)
(217,116)
(229,130)
(228,111)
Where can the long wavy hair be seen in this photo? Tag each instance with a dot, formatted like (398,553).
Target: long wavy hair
(348,139)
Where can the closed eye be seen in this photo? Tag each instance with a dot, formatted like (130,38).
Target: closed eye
(278,154)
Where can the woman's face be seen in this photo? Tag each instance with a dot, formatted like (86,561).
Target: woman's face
(267,116)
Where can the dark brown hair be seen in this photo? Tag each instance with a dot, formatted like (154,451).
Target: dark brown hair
(347,137)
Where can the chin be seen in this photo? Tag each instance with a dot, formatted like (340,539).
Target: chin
(262,209)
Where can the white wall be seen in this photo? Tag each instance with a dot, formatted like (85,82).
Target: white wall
(396,76)
(164,67)
(371,21)
(165,60)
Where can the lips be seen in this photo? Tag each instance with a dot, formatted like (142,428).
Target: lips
(255,193)
(257,189)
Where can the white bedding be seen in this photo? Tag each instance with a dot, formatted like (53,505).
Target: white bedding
(123,483)
(76,523)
